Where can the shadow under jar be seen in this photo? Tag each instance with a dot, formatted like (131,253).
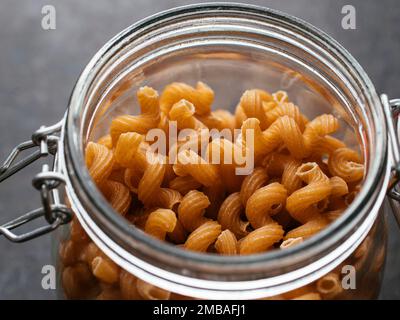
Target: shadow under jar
(231,48)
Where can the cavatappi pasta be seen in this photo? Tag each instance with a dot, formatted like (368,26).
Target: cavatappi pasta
(302,179)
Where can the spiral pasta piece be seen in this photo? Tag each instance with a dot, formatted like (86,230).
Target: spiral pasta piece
(118,196)
(284,131)
(251,183)
(265,202)
(229,216)
(183,113)
(204,236)
(261,239)
(226,243)
(191,210)
(339,187)
(258,146)
(347,164)
(201,97)
(286,109)
(309,228)
(190,163)
(150,183)
(252,105)
(99,161)
(327,145)
(160,222)
(317,129)
(130,151)
(318,189)
(148,119)
(283,165)
(168,198)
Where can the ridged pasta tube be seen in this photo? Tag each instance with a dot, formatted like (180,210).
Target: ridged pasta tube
(99,161)
(201,97)
(148,119)
(318,189)
(160,222)
(347,164)
(265,202)
(191,210)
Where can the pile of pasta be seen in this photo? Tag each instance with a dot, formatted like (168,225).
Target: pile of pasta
(303,177)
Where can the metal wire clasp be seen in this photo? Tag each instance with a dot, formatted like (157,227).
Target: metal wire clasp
(45,141)
(392,112)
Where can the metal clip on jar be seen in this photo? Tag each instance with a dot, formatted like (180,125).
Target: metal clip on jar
(232,47)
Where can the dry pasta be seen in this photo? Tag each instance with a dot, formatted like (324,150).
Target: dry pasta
(150,183)
(184,184)
(226,153)
(204,236)
(264,203)
(160,222)
(287,109)
(168,198)
(150,292)
(252,105)
(251,183)
(130,151)
(190,163)
(346,163)
(183,113)
(308,229)
(261,239)
(329,286)
(148,119)
(201,97)
(105,270)
(191,210)
(226,243)
(127,285)
(192,196)
(99,161)
(303,203)
(317,129)
(118,196)
(290,242)
(229,216)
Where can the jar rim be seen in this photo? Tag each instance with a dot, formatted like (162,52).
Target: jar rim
(83,191)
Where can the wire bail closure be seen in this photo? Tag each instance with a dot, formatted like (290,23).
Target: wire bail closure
(47,182)
(392,113)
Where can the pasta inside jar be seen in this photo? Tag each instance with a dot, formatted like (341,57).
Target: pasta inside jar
(222,149)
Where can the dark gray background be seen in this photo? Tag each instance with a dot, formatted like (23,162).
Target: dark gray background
(38,69)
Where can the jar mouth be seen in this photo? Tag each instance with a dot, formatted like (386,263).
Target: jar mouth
(248,276)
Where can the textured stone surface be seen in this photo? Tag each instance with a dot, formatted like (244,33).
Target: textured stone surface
(38,70)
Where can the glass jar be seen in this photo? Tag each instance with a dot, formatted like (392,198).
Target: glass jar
(231,47)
